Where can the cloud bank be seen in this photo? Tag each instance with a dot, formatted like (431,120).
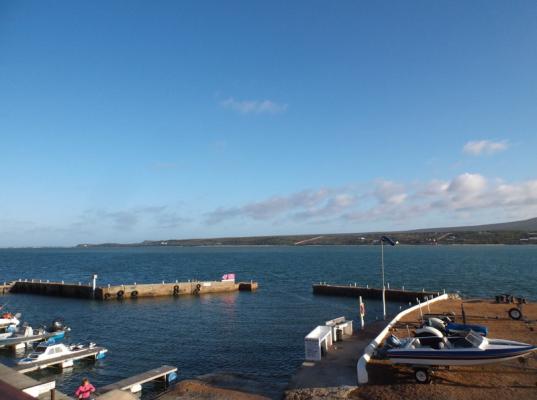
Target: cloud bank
(468,194)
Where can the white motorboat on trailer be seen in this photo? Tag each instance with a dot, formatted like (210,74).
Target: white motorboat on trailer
(472,349)
(438,350)
(51,351)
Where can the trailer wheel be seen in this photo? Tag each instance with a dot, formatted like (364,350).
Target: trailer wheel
(422,375)
(515,313)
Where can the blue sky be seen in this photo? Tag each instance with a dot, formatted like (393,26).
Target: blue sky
(125,120)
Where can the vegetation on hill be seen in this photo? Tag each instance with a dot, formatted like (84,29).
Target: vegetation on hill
(458,235)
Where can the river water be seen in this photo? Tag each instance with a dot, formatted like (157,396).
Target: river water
(256,336)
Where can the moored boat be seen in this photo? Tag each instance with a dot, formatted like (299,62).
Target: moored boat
(51,351)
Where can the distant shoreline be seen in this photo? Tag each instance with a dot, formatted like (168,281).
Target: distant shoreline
(93,247)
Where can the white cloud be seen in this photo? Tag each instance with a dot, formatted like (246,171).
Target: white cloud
(129,219)
(305,201)
(388,192)
(253,106)
(479,147)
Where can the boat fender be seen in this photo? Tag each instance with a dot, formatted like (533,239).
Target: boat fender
(198,286)
(134,293)
(515,313)
(107,296)
(120,294)
(172,376)
(176,289)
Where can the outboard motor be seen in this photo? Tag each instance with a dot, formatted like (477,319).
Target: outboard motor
(57,325)
(392,342)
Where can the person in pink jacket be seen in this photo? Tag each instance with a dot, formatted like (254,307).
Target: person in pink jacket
(85,390)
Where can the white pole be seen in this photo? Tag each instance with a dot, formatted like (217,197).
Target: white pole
(361,315)
(94,285)
(421,313)
(383,286)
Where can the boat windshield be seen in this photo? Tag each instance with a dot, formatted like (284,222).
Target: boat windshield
(474,339)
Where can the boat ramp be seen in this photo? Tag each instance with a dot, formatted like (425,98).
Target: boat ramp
(21,387)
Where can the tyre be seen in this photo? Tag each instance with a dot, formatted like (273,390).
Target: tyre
(120,294)
(515,313)
(134,293)
(422,375)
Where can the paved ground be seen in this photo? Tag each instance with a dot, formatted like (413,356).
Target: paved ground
(338,368)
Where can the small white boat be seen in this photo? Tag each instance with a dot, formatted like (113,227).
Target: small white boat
(50,351)
(7,319)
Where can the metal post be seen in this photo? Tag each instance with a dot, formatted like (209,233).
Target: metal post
(383,286)
(94,286)
(362,308)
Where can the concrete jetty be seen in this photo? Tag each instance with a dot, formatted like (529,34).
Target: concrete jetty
(119,292)
(134,383)
(372,293)
(16,385)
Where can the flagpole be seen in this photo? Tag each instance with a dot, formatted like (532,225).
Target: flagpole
(383,286)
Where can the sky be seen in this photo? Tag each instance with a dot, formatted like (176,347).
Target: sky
(123,121)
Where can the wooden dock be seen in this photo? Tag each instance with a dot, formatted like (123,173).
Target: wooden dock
(372,293)
(120,292)
(134,383)
(64,361)
(23,340)
(18,385)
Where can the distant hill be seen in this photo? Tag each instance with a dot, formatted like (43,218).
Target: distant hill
(516,232)
(527,225)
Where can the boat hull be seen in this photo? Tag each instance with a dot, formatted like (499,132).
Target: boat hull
(447,357)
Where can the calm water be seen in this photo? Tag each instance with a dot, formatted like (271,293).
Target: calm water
(257,335)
